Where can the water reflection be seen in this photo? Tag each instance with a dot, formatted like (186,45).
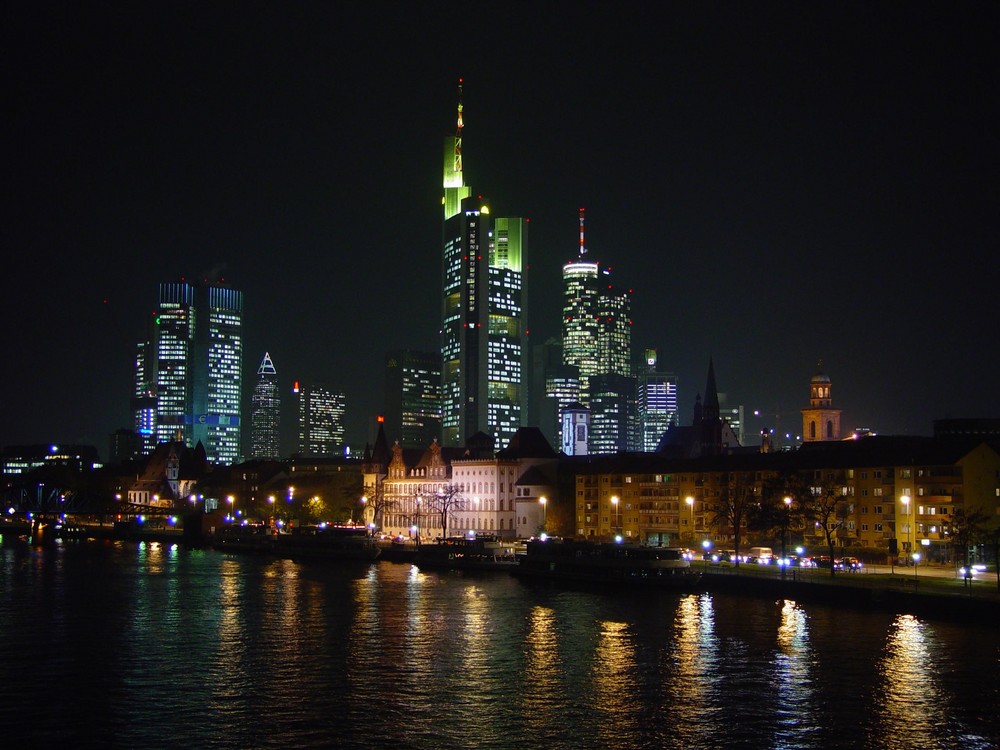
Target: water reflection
(689,692)
(910,710)
(793,679)
(614,681)
(541,693)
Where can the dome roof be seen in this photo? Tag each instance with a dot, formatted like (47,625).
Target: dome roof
(820,378)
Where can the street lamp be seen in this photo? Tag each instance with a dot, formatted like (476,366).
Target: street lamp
(905,500)
(232,506)
(916,560)
(544,501)
(614,504)
(364,509)
(690,504)
(416,526)
(784,534)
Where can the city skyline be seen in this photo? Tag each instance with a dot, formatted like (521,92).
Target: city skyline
(776,187)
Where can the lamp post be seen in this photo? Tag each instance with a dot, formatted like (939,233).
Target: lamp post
(544,501)
(784,533)
(614,505)
(690,504)
(364,509)
(270,505)
(916,560)
(416,526)
(905,500)
(232,507)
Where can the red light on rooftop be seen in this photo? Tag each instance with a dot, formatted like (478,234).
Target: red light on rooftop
(380,419)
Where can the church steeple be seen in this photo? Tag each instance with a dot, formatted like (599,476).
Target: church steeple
(821,421)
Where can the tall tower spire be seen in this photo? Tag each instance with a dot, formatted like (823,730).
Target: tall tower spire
(583,246)
(455,188)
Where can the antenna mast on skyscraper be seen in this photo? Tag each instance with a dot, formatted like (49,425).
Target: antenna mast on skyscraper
(458,132)
(583,247)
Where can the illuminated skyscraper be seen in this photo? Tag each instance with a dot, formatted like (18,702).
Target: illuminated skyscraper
(321,419)
(580,315)
(597,339)
(144,396)
(413,397)
(482,330)
(657,402)
(265,405)
(199,356)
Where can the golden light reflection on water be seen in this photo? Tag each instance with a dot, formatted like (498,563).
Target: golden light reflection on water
(695,657)
(541,692)
(613,674)
(910,708)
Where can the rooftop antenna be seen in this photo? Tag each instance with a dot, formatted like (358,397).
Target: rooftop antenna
(583,247)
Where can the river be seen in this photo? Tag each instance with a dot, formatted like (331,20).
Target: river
(141,645)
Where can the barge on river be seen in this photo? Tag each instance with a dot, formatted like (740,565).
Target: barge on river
(479,553)
(307,542)
(606,562)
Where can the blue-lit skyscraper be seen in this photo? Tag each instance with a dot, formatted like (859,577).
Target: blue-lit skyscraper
(657,402)
(199,367)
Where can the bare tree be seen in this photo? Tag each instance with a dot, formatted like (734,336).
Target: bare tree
(735,502)
(376,503)
(445,501)
(829,510)
(968,527)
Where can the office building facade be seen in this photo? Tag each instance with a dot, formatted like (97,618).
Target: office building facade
(483,311)
(413,397)
(657,401)
(321,419)
(199,363)
(265,412)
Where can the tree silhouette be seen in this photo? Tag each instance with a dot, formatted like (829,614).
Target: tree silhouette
(735,501)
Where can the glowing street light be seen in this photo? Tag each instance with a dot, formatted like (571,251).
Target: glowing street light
(905,500)
(784,533)
(544,501)
(614,503)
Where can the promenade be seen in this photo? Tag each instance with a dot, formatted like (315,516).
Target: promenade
(927,590)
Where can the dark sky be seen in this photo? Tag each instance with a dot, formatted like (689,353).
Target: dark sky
(777,183)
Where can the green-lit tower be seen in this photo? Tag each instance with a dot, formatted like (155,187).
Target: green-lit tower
(483,310)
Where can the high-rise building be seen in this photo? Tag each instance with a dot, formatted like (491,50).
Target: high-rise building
(554,386)
(413,397)
(144,396)
(657,401)
(614,415)
(265,412)
(321,419)
(597,339)
(580,315)
(199,354)
(483,311)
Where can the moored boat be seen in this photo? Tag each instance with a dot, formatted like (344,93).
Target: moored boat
(324,542)
(479,553)
(606,562)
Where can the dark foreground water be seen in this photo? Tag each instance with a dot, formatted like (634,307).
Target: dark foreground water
(148,646)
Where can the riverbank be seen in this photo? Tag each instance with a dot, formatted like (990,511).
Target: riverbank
(930,596)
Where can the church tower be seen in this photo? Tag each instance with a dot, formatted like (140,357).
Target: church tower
(821,421)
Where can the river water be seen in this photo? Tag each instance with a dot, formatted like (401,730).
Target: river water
(133,645)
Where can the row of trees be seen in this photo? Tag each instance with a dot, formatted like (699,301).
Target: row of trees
(791,503)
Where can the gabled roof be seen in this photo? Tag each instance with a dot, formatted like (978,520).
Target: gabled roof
(528,442)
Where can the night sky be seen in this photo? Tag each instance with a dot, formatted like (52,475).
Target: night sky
(778,183)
